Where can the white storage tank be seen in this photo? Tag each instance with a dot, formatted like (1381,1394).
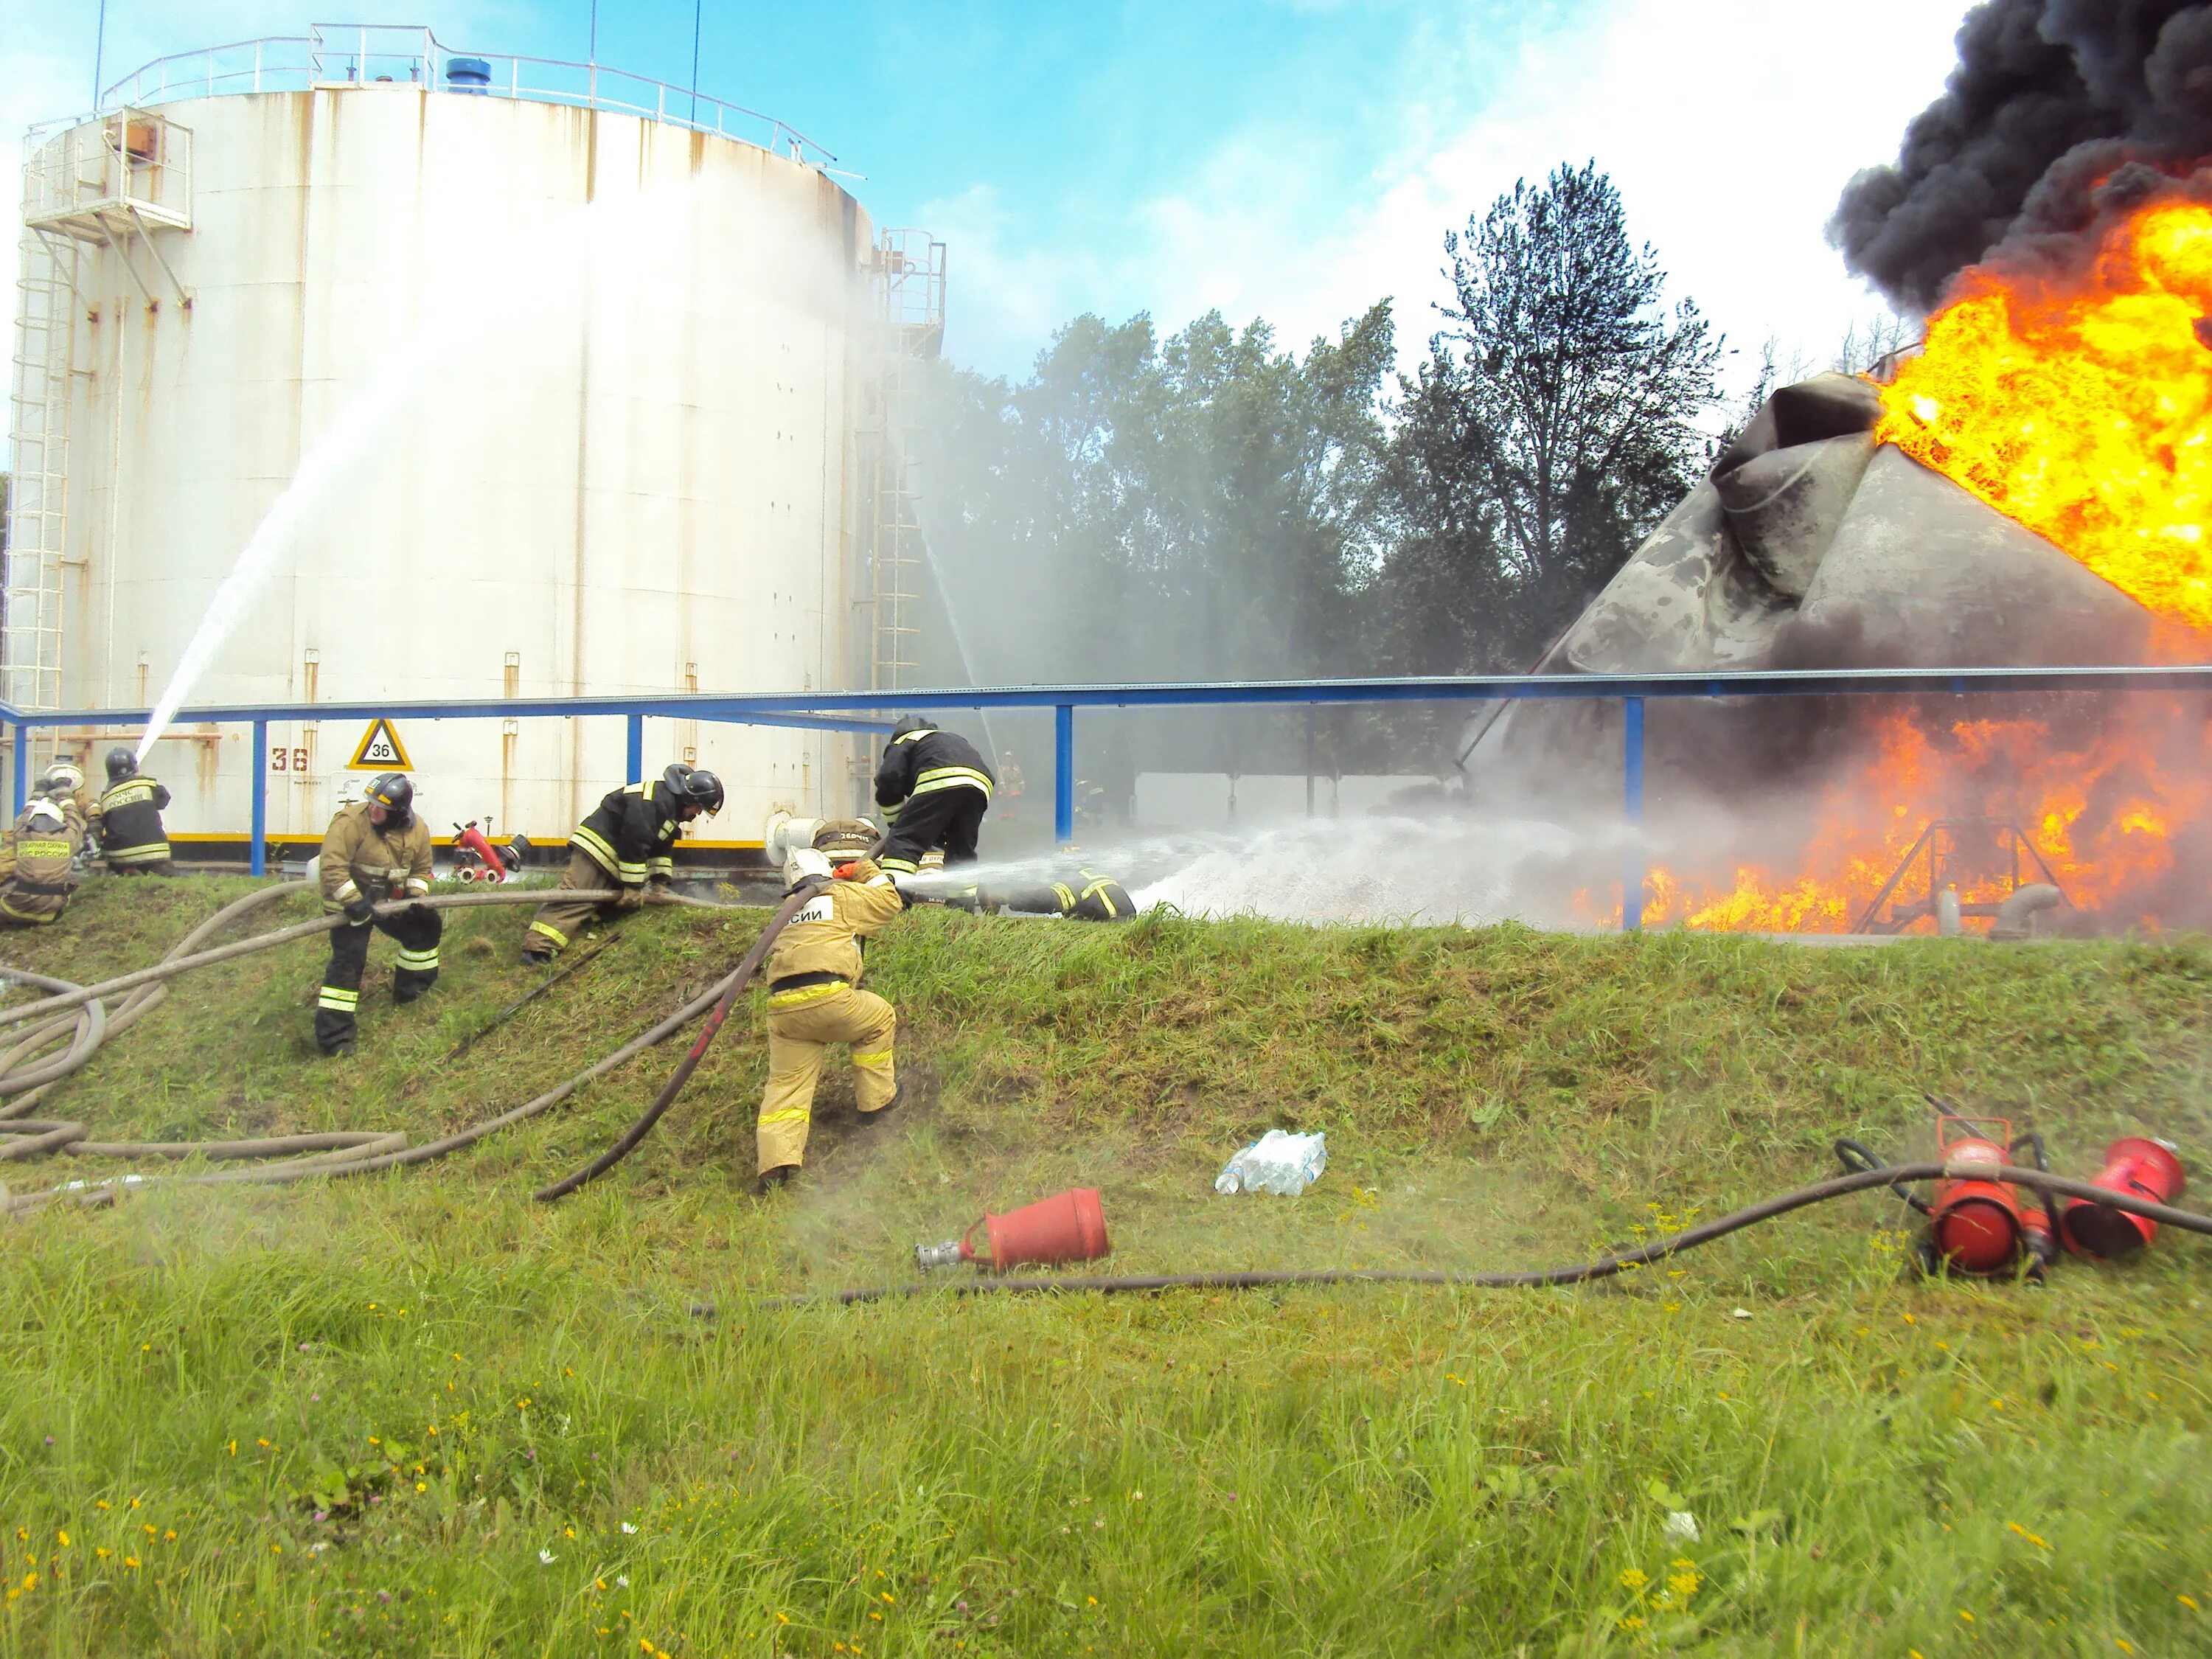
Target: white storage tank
(594,392)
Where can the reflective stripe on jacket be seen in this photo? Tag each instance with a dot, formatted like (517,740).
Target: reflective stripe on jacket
(631,834)
(131,829)
(361,859)
(930,759)
(824,937)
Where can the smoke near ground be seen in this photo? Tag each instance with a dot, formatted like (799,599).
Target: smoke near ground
(2055,105)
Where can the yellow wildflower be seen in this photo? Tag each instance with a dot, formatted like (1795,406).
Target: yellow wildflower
(1634,1578)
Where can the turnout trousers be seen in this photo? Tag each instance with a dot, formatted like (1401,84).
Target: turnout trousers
(150,859)
(418,933)
(553,928)
(801,1024)
(936,818)
(32,903)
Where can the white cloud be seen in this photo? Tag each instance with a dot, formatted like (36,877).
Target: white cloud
(1730,127)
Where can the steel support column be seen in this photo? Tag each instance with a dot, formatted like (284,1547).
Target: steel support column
(19,785)
(636,757)
(1632,875)
(256,851)
(1063,773)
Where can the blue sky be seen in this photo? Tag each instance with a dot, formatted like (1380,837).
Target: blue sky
(1294,159)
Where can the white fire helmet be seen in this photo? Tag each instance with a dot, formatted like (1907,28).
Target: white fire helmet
(805,864)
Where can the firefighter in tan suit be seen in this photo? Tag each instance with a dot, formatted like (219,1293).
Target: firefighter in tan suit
(377,848)
(815,999)
(43,847)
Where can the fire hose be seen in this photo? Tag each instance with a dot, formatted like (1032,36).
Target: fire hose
(736,983)
(342,1153)
(1605,1266)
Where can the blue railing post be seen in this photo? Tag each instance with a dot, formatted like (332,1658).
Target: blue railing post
(1063,773)
(636,758)
(19,786)
(256,851)
(1631,876)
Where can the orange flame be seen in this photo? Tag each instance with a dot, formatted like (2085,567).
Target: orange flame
(2084,410)
(2115,798)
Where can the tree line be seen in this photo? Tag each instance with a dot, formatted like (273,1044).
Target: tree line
(1212,505)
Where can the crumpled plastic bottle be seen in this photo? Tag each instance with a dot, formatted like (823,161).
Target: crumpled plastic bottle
(1279,1162)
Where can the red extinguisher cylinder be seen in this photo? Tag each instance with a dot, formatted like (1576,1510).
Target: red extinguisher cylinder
(1069,1227)
(1976,1226)
(2140,1167)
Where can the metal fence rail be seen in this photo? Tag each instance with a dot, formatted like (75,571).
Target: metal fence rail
(358,54)
(871,711)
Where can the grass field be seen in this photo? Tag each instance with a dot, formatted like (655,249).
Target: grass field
(418,1414)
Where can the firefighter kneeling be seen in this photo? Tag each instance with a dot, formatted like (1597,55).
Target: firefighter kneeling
(375,849)
(815,999)
(627,843)
(39,877)
(132,838)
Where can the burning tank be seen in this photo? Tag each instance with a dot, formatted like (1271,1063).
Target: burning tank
(2035,489)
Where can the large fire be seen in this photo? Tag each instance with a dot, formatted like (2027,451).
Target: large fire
(2083,410)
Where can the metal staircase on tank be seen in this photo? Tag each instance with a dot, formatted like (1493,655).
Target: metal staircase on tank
(909,286)
(106,184)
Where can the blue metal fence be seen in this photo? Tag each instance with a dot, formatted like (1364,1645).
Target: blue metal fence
(871,711)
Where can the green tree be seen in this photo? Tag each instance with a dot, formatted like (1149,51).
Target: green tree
(1202,506)
(1551,429)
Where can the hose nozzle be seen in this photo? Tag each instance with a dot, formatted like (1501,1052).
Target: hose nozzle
(949,1254)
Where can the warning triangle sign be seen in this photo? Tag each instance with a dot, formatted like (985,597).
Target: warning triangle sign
(379,749)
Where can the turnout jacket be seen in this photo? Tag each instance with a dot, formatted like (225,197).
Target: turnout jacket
(362,859)
(131,829)
(632,833)
(44,845)
(821,944)
(929,760)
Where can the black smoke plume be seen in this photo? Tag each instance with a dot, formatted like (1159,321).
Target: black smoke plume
(2057,110)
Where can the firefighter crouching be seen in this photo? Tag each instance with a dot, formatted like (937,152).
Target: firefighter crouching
(815,999)
(1086,896)
(49,834)
(376,849)
(132,838)
(935,788)
(628,843)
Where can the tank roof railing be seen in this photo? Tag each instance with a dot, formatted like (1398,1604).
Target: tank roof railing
(369,54)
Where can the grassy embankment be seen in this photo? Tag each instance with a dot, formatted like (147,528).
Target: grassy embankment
(417,1414)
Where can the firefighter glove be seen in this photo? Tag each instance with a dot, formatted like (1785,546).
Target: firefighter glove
(633,898)
(360,910)
(659,892)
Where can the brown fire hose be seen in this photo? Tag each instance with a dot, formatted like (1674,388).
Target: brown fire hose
(345,1152)
(662,1102)
(171,966)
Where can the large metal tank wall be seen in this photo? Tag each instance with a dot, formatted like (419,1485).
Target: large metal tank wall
(632,358)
